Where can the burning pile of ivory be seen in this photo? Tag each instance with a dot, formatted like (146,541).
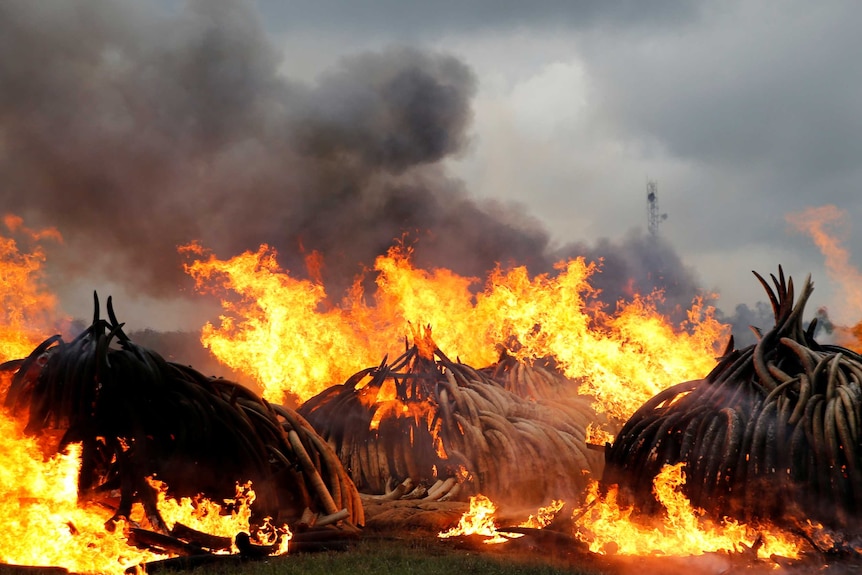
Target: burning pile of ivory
(427,427)
(538,380)
(772,432)
(139,416)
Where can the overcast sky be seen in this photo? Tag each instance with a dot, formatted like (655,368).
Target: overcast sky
(551,116)
(742,112)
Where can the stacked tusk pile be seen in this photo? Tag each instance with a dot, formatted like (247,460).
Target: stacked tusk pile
(773,431)
(427,427)
(542,382)
(538,380)
(138,416)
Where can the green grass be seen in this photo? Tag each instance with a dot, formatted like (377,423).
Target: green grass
(401,557)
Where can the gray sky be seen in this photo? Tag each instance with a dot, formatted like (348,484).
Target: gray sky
(133,127)
(741,111)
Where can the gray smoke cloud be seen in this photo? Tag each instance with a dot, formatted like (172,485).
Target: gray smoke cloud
(640,263)
(134,132)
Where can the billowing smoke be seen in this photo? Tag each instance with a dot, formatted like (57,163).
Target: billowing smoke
(639,264)
(134,132)
(745,320)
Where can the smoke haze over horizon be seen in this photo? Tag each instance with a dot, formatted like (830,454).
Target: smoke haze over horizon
(134,128)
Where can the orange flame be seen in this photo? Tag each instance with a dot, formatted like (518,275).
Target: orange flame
(41,520)
(286,334)
(598,436)
(27,310)
(43,523)
(828,227)
(209,517)
(280,332)
(544,515)
(477,520)
(609,527)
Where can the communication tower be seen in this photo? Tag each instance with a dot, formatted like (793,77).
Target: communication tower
(653,215)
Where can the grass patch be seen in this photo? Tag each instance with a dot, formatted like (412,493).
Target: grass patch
(400,557)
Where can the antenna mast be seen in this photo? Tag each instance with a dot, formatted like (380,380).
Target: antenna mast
(653,215)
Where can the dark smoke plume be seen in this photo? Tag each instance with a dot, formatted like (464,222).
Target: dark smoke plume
(638,264)
(134,132)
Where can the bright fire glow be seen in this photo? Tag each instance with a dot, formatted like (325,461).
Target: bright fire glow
(544,515)
(292,339)
(42,520)
(27,310)
(598,436)
(609,527)
(43,523)
(286,334)
(477,520)
(209,517)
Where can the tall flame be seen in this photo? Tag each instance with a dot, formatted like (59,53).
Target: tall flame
(288,335)
(283,332)
(27,310)
(624,357)
(43,522)
(828,227)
